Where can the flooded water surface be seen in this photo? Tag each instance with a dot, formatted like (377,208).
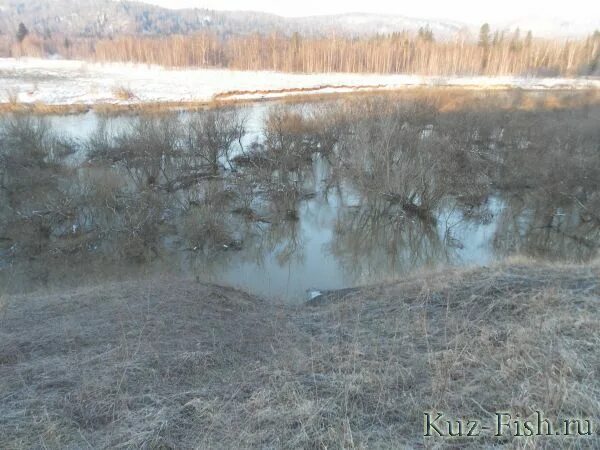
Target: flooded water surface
(287,200)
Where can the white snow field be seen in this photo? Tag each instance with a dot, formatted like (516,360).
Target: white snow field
(68,82)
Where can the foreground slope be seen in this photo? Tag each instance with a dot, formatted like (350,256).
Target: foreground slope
(178,364)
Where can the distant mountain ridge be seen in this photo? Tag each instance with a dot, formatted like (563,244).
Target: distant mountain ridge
(104,18)
(370,24)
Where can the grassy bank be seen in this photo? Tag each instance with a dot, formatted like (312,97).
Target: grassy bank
(445,98)
(174,363)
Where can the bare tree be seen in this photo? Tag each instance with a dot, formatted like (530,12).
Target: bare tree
(211,134)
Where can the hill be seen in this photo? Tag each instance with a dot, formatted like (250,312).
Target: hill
(103,18)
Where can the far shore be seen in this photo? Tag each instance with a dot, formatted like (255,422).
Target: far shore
(69,86)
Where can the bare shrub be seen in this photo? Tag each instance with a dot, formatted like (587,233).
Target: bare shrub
(31,176)
(207,224)
(392,153)
(288,140)
(146,151)
(210,135)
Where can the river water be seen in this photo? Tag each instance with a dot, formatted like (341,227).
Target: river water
(337,233)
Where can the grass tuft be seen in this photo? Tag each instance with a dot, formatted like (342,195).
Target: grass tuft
(123,93)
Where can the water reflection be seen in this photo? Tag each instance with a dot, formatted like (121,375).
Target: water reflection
(277,200)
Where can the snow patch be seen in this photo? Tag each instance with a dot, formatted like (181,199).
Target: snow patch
(69,82)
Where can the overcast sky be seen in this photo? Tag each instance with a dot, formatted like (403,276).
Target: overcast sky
(474,11)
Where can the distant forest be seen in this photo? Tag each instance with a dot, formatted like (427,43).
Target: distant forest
(493,53)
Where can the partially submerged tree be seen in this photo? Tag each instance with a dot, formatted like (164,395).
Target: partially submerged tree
(211,134)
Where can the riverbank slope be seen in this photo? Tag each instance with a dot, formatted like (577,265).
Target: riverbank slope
(173,363)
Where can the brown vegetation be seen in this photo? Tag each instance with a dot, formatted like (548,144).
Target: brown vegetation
(171,363)
(396,53)
(123,93)
(387,54)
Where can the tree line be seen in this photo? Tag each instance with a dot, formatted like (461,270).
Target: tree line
(496,53)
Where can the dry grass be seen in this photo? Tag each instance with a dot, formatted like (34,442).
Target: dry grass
(42,109)
(3,303)
(444,98)
(519,337)
(123,93)
(177,364)
(118,364)
(13,96)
